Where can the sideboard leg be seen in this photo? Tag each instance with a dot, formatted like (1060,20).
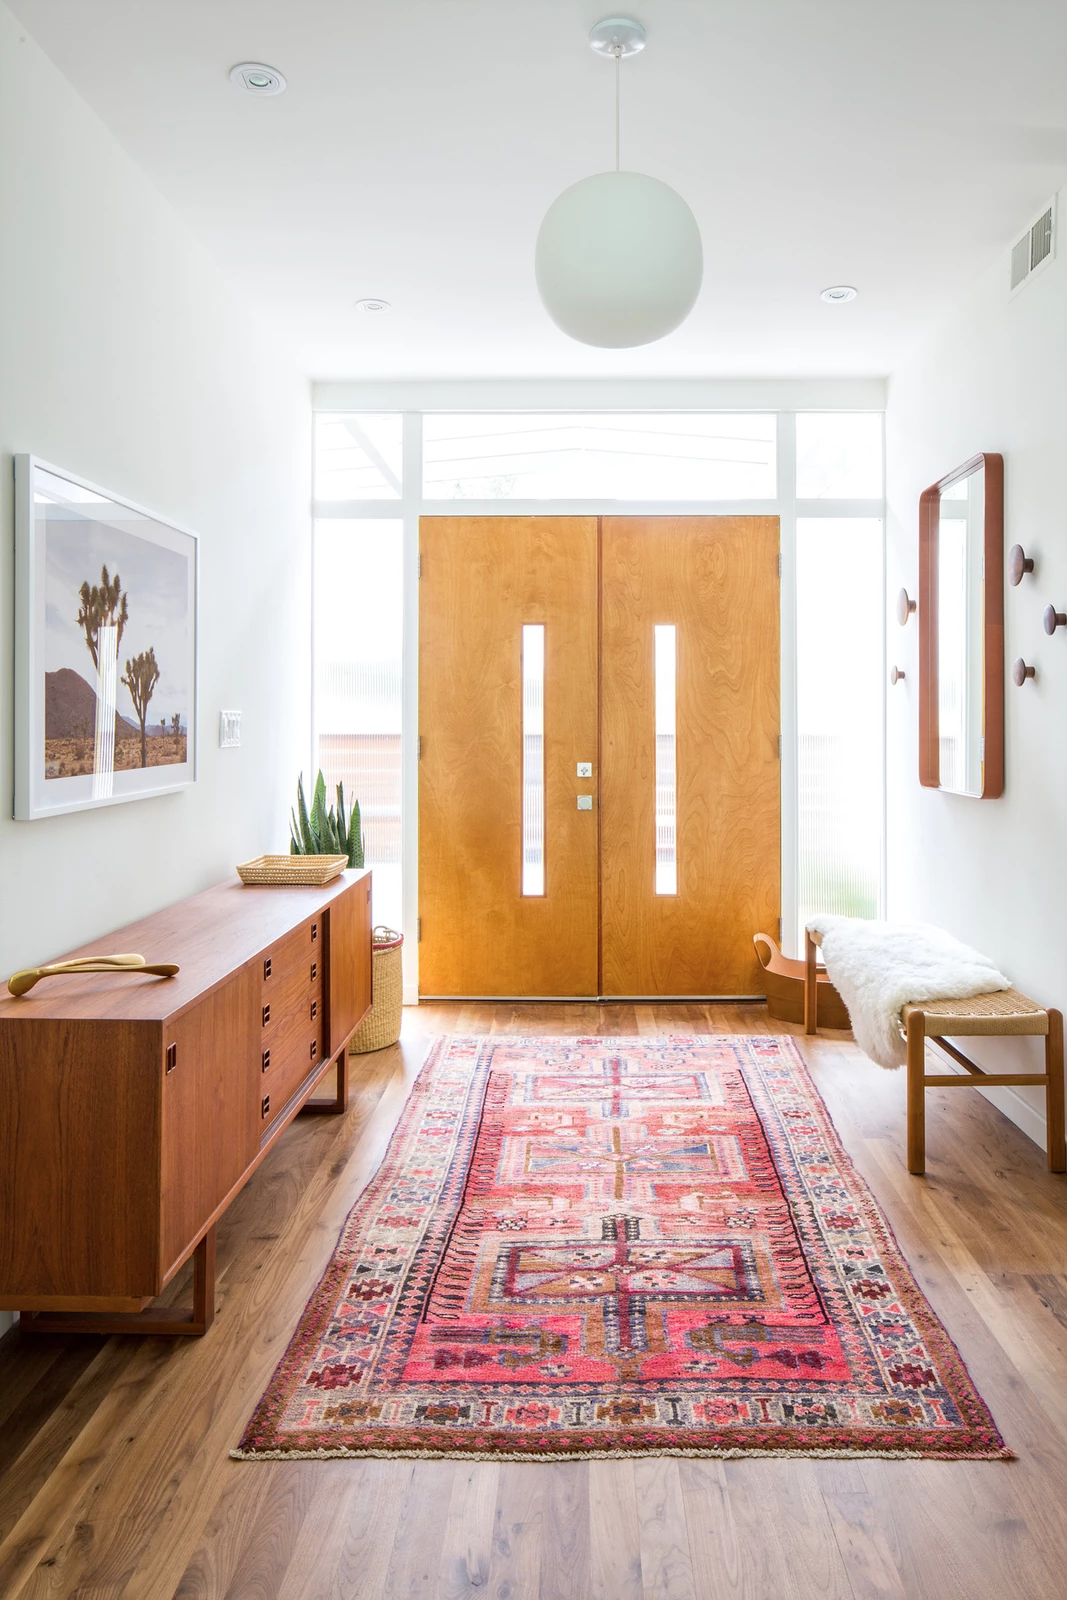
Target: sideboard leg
(204,1282)
(340,1103)
(343,1081)
(169,1322)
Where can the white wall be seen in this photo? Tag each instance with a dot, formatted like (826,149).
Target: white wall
(124,359)
(991,871)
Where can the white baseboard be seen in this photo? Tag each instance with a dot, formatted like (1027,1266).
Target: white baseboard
(410,994)
(1017,1109)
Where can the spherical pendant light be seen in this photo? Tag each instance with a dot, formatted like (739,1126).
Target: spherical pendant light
(618,260)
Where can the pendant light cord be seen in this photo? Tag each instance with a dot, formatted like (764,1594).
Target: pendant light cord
(618,52)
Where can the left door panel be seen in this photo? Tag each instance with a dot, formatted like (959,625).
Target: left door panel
(483,580)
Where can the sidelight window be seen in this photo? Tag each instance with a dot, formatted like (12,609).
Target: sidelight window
(358,599)
(839,717)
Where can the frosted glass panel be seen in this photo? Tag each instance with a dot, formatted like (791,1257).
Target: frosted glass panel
(840,455)
(664,697)
(534,759)
(357,640)
(358,457)
(839,717)
(532,456)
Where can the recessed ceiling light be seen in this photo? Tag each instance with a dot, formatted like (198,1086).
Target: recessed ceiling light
(257,78)
(373,308)
(838,294)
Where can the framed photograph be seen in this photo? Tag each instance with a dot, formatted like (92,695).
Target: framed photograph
(105,647)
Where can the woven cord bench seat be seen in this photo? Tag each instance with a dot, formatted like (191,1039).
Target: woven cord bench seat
(1007,1012)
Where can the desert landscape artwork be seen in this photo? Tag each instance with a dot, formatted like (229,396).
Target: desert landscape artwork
(113,656)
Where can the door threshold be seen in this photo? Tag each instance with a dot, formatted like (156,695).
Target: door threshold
(600,999)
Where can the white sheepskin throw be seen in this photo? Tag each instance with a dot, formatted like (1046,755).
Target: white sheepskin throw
(877,967)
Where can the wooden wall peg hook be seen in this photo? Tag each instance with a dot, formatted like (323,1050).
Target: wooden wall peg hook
(905,607)
(1019,564)
(1021,672)
(896,674)
(1052,619)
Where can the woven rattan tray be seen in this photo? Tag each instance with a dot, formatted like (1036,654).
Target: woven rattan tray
(291,869)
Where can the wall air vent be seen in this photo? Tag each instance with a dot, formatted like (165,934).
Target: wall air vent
(1034,250)
(1042,238)
(1021,262)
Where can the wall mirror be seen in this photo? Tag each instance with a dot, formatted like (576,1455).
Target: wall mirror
(961,615)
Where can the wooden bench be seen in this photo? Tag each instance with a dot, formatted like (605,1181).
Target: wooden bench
(1005,1014)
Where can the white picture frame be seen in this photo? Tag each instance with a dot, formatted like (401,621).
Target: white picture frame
(105,667)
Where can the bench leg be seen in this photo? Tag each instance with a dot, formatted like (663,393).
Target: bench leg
(1055,1155)
(810,983)
(916,1112)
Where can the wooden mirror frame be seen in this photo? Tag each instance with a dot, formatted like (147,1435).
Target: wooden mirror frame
(993,624)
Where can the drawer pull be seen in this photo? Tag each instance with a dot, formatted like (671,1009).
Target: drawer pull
(266,1015)
(314,1048)
(267,967)
(314,1009)
(266,1061)
(314,971)
(265,1106)
(315,931)
(172,1057)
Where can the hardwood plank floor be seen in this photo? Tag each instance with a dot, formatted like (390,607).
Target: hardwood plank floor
(115,1479)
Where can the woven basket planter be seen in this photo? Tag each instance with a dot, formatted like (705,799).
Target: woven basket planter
(382,1024)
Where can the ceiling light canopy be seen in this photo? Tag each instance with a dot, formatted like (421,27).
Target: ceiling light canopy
(257,78)
(618,261)
(838,294)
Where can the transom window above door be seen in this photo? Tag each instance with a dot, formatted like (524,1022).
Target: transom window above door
(611,457)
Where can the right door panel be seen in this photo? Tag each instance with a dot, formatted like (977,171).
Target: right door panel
(714,580)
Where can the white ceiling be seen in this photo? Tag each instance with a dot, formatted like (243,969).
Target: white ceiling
(898,147)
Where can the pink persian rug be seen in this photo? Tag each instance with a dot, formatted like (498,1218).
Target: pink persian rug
(604,1247)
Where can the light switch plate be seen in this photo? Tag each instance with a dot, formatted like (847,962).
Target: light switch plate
(229,730)
(585,802)
(584,769)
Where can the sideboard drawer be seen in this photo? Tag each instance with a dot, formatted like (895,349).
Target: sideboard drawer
(293,1012)
(284,997)
(284,1077)
(299,954)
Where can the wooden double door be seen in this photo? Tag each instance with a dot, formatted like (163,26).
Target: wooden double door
(599,808)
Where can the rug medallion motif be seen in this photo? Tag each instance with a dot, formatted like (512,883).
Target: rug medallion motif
(618,1246)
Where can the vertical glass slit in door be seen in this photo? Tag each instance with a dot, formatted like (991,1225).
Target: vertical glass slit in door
(664,701)
(533,758)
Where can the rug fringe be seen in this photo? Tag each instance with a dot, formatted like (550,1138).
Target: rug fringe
(733,1454)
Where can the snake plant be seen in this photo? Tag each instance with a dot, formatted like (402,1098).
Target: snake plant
(320,832)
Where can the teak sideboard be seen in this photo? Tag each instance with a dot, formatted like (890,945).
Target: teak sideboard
(134,1109)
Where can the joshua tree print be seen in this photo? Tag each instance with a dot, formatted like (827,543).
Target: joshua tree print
(101,608)
(176,724)
(103,617)
(141,678)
